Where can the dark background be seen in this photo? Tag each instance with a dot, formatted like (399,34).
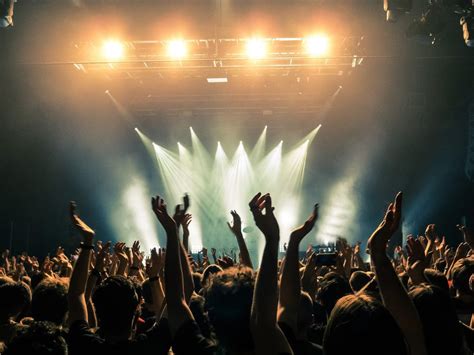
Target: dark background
(405,109)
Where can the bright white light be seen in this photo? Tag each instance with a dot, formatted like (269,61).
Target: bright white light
(216,80)
(177,49)
(113,50)
(317,46)
(141,223)
(256,48)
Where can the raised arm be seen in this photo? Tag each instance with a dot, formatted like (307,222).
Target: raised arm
(185,224)
(77,285)
(394,296)
(290,286)
(178,311)
(268,337)
(188,282)
(94,276)
(157,263)
(236,229)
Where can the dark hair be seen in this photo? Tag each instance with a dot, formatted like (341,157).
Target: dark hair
(439,319)
(461,272)
(40,338)
(15,297)
(115,301)
(437,278)
(197,277)
(208,271)
(197,307)
(332,287)
(359,279)
(49,301)
(36,279)
(228,302)
(362,325)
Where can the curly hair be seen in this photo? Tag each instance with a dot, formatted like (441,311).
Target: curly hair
(228,302)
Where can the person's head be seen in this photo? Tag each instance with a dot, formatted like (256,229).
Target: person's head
(360,279)
(15,297)
(116,302)
(439,319)
(331,288)
(197,307)
(229,296)
(461,272)
(40,338)
(362,325)
(49,301)
(208,272)
(437,278)
(36,279)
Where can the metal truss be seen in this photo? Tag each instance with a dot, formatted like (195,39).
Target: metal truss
(211,57)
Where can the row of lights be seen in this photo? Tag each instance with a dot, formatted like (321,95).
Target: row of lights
(256,48)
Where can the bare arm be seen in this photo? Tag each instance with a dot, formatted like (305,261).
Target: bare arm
(394,295)
(236,229)
(157,292)
(178,311)
(185,223)
(77,286)
(290,287)
(268,337)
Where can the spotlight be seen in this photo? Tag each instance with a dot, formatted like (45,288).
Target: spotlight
(395,8)
(428,26)
(6,13)
(317,46)
(113,50)
(256,48)
(467,24)
(177,49)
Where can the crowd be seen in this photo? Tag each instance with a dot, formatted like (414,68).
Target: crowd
(117,299)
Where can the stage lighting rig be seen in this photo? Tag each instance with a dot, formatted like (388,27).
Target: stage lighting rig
(6,13)
(395,8)
(428,26)
(467,23)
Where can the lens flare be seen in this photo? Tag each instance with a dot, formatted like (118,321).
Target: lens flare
(113,50)
(256,48)
(317,46)
(177,49)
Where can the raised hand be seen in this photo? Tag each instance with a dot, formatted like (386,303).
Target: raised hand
(187,221)
(302,231)
(157,262)
(267,222)
(101,257)
(461,251)
(137,256)
(417,261)
(236,225)
(158,206)
(120,252)
(467,234)
(86,232)
(378,240)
